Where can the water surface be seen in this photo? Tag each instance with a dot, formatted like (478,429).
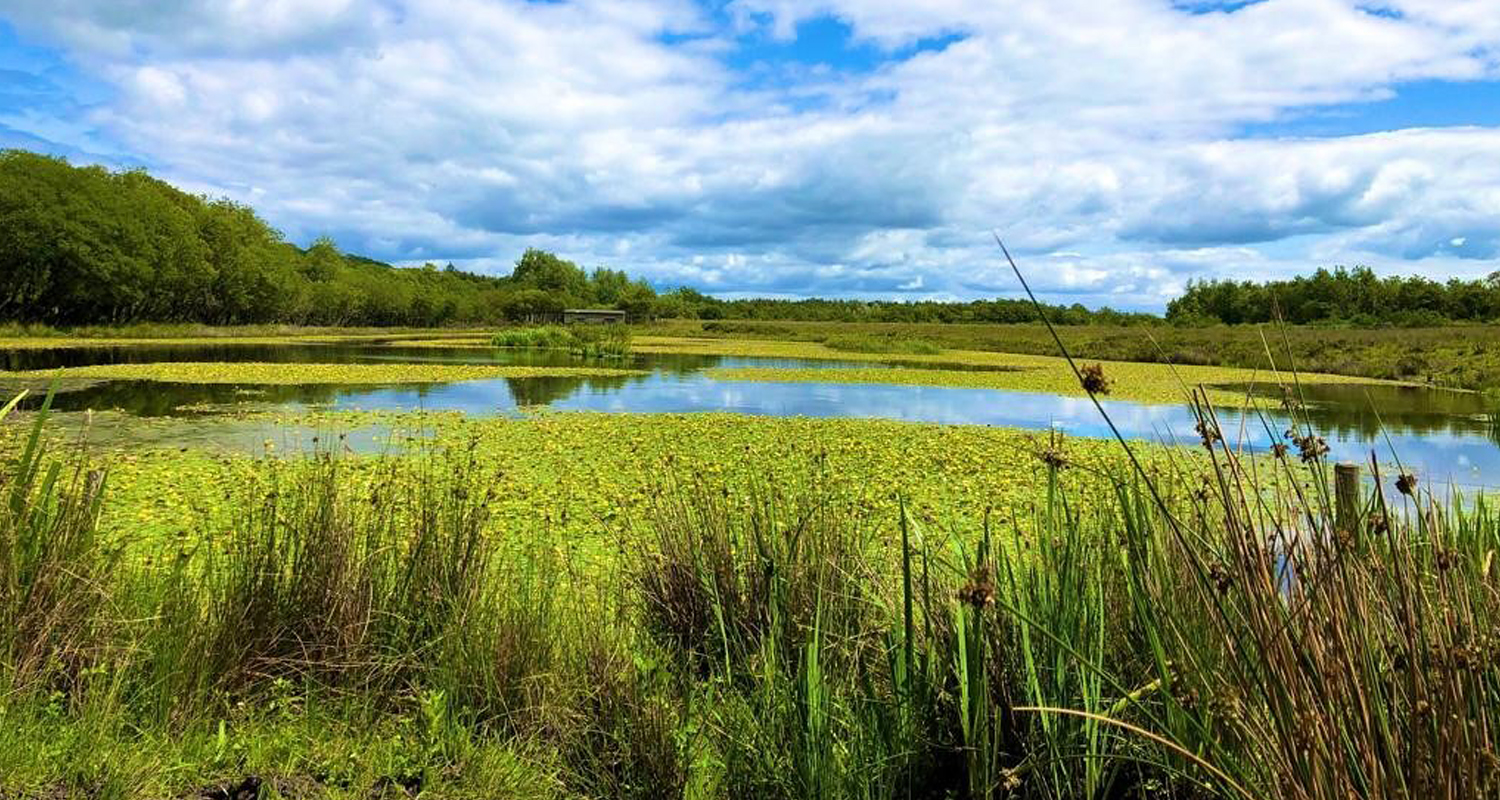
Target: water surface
(1447,436)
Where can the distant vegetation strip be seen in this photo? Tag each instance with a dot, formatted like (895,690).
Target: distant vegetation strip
(860,343)
(86,246)
(36,333)
(261,373)
(1356,297)
(1460,356)
(1146,383)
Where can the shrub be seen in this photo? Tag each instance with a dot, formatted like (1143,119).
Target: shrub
(584,341)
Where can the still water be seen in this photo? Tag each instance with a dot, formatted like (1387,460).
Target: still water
(1449,437)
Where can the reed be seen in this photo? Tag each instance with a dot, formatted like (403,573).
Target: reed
(54,570)
(1217,632)
(583,341)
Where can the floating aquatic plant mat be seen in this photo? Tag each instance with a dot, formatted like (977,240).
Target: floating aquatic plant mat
(260,373)
(485,342)
(579,478)
(1142,382)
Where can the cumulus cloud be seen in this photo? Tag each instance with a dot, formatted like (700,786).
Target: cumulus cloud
(1104,140)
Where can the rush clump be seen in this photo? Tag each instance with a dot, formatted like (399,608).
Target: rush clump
(1093,379)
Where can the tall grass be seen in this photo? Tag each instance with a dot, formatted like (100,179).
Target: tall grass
(1220,634)
(868,343)
(194,330)
(54,573)
(584,341)
(547,337)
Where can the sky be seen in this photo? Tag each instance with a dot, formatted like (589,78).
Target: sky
(836,148)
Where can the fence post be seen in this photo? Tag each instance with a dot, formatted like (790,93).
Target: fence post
(1346,495)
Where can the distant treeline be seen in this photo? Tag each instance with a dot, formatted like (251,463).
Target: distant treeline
(818,310)
(1354,296)
(84,245)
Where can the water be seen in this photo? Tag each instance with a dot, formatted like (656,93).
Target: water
(1445,436)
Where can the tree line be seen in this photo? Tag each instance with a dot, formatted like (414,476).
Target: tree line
(1354,296)
(86,245)
(998,310)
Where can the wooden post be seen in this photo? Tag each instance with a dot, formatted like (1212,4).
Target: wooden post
(1346,496)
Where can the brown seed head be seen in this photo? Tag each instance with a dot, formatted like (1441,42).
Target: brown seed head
(979,592)
(1093,380)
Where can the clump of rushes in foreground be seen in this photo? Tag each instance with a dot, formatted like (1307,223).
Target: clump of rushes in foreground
(584,341)
(349,632)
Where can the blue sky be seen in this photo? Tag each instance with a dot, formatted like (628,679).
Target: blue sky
(860,148)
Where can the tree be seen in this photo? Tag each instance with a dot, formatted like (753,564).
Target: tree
(529,305)
(637,300)
(539,269)
(322,261)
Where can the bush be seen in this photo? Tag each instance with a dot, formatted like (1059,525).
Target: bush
(584,341)
(550,337)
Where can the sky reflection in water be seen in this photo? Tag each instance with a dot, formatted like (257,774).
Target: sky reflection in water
(1445,436)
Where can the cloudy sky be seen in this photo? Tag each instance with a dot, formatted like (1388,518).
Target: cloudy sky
(831,147)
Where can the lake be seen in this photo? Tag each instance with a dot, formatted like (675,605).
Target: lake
(1449,437)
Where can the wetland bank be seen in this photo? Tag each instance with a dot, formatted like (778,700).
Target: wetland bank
(429,565)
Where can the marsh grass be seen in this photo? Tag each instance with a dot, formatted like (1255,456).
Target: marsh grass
(866,343)
(54,587)
(1217,632)
(727,579)
(198,331)
(584,341)
(1458,356)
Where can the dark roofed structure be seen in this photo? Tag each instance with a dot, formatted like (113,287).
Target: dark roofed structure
(595,315)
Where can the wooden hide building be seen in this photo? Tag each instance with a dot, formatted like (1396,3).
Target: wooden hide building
(602,316)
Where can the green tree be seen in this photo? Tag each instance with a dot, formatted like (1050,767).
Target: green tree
(322,261)
(543,271)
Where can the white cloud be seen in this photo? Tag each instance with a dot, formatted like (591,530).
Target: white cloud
(1105,133)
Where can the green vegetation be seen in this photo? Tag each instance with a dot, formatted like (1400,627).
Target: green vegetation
(1143,382)
(710,605)
(84,246)
(1057,380)
(38,335)
(585,341)
(725,607)
(289,374)
(1353,297)
(572,477)
(550,337)
(685,303)
(882,344)
(1460,357)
